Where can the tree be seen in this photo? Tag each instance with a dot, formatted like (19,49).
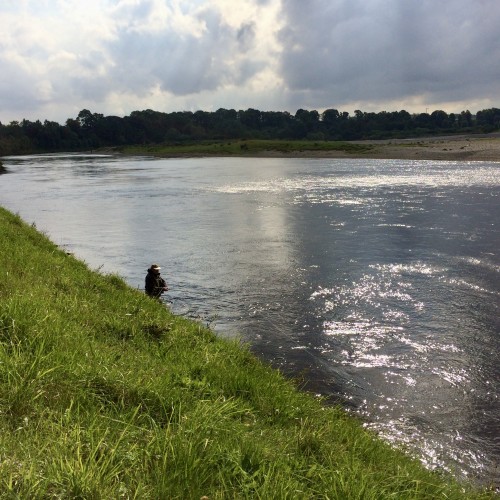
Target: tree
(85,119)
(308,118)
(73,125)
(489,119)
(33,130)
(439,119)
(423,120)
(330,117)
(465,119)
(251,118)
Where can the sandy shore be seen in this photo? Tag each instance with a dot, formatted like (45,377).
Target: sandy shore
(478,147)
(465,148)
(469,148)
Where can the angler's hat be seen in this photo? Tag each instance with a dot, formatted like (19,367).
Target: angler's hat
(155,267)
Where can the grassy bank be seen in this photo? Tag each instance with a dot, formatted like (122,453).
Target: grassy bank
(105,394)
(453,148)
(248,148)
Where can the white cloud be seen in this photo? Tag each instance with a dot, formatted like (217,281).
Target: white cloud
(115,56)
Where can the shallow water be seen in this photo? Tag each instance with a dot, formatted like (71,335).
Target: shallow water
(375,281)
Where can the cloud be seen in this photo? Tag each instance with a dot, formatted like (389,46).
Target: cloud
(184,63)
(383,50)
(154,53)
(116,56)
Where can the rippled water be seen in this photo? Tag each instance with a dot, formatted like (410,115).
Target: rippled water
(376,282)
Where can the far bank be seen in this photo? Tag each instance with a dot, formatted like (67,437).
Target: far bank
(485,147)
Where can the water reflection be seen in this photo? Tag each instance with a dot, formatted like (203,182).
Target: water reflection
(376,282)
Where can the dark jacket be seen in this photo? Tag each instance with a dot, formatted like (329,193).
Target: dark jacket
(154,284)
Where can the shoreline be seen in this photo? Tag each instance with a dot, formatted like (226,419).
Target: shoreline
(482,147)
(109,392)
(466,147)
(453,148)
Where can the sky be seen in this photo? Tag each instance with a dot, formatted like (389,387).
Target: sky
(113,57)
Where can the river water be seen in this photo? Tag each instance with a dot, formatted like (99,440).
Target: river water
(374,281)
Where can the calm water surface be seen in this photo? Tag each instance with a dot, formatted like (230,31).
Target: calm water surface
(375,281)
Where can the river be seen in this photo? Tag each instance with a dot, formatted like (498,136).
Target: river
(376,282)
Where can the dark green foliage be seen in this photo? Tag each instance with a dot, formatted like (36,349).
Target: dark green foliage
(94,130)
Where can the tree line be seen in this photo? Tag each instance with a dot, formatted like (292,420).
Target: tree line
(94,130)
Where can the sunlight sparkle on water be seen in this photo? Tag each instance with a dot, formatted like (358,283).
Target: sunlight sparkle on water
(377,277)
(437,174)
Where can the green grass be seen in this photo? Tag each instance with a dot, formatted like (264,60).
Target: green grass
(247,148)
(105,394)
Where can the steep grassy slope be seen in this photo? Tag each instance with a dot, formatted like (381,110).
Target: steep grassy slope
(105,394)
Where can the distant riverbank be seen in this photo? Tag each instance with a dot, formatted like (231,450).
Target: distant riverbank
(484,147)
(463,147)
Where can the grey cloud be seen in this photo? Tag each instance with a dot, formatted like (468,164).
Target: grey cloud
(246,36)
(390,49)
(23,95)
(135,64)
(183,63)
(88,80)
(142,10)
(331,53)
